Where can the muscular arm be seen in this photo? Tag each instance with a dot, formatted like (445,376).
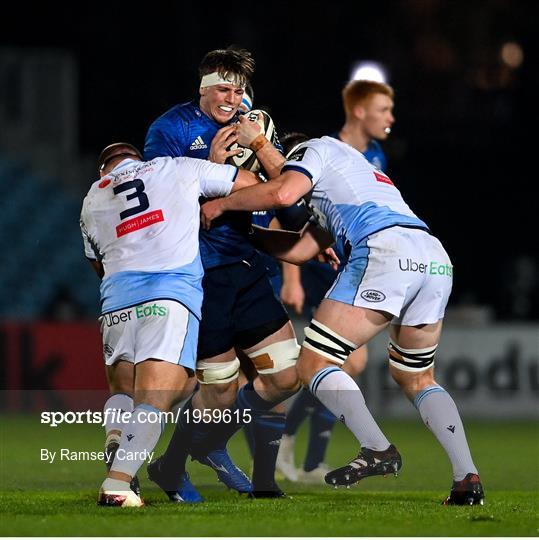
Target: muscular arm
(292,292)
(245,179)
(271,159)
(281,192)
(98,267)
(291,247)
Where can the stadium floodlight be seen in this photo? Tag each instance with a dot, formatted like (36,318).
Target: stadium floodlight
(370,71)
(512,54)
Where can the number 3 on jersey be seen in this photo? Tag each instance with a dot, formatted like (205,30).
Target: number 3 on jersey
(139,222)
(138,186)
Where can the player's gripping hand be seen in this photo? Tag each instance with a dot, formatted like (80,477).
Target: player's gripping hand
(224,138)
(329,256)
(211,210)
(247,131)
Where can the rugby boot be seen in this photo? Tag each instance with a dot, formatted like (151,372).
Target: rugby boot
(228,473)
(179,492)
(467,491)
(272,491)
(117,493)
(368,463)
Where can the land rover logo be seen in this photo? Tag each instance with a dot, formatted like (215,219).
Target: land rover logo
(373,296)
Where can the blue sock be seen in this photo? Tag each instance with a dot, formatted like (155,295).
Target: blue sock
(268,430)
(175,456)
(248,404)
(248,431)
(322,422)
(300,409)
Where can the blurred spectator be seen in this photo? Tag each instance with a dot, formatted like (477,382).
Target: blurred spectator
(519,292)
(63,307)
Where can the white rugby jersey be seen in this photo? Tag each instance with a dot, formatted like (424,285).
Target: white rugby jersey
(142,222)
(352,198)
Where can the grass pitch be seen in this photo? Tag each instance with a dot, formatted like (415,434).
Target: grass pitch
(42,499)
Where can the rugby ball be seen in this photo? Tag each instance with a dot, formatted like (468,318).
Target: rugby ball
(247,159)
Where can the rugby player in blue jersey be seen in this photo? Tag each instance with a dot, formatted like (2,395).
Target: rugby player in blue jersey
(368,106)
(239,308)
(270,426)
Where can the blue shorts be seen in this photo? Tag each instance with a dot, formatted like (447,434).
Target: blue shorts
(274,272)
(239,309)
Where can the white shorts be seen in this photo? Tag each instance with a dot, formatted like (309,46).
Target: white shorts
(405,272)
(161,329)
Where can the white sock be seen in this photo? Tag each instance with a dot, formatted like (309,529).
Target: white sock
(342,396)
(139,438)
(441,416)
(114,406)
(111,484)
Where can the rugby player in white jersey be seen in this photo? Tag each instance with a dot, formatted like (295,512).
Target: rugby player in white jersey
(368,107)
(140,225)
(396,274)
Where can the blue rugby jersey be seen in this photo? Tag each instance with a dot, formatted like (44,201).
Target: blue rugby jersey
(184,130)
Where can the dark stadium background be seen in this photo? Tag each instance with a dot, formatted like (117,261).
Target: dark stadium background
(462,149)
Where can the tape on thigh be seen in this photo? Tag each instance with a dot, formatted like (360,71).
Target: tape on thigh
(217,372)
(324,341)
(275,357)
(414,360)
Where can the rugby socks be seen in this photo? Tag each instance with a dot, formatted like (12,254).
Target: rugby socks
(113,410)
(321,425)
(138,440)
(175,456)
(268,429)
(247,407)
(302,405)
(249,432)
(342,396)
(441,416)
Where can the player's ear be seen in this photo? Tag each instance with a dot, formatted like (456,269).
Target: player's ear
(359,112)
(202,91)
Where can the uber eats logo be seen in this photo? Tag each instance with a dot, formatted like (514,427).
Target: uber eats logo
(434,268)
(145,310)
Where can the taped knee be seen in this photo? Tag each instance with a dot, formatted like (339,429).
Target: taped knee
(275,357)
(327,343)
(217,372)
(412,360)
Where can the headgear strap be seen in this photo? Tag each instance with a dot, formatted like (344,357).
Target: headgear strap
(212,79)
